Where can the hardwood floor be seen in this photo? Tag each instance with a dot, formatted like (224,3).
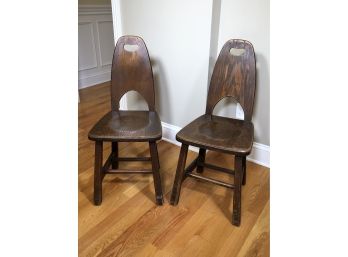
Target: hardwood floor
(128,223)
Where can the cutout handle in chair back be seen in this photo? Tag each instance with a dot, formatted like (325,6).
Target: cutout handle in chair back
(131,70)
(234,75)
(131,48)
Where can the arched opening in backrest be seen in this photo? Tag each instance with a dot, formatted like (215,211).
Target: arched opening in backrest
(234,75)
(135,101)
(228,107)
(131,70)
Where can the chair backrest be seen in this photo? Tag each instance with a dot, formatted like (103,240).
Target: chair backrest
(131,70)
(234,76)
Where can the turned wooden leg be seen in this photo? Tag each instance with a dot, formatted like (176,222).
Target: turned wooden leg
(98,169)
(179,175)
(201,159)
(156,174)
(114,147)
(237,196)
(244,171)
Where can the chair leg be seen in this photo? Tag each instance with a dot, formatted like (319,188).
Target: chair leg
(201,159)
(159,166)
(114,147)
(244,171)
(156,174)
(179,175)
(238,167)
(98,169)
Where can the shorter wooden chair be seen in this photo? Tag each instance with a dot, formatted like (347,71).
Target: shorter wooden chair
(233,76)
(131,70)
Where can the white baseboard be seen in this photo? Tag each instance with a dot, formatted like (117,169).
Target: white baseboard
(94,79)
(169,132)
(259,154)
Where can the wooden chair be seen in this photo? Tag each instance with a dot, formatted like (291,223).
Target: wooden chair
(233,76)
(131,70)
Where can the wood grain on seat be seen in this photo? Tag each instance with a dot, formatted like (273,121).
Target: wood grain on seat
(128,126)
(219,133)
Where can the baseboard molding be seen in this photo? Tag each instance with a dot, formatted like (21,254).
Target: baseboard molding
(169,132)
(94,79)
(259,154)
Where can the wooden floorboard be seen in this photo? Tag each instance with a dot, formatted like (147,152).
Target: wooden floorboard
(128,222)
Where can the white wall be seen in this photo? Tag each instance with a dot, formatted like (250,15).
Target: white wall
(227,106)
(96,44)
(184,39)
(177,34)
(248,19)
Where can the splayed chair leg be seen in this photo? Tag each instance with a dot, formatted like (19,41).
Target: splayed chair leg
(156,173)
(98,169)
(237,196)
(179,175)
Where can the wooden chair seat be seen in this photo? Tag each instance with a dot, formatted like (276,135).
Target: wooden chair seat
(127,126)
(219,133)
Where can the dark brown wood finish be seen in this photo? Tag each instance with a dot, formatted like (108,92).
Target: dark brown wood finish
(179,175)
(107,164)
(131,70)
(233,76)
(201,159)
(156,174)
(98,172)
(244,171)
(126,126)
(211,180)
(114,149)
(237,196)
(191,166)
(219,133)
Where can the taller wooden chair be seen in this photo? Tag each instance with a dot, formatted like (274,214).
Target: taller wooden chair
(131,70)
(233,76)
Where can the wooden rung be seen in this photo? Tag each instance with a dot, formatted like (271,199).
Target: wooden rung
(122,171)
(106,165)
(133,159)
(214,167)
(215,181)
(192,166)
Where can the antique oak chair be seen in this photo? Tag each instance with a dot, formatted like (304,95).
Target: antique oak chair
(233,76)
(131,70)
